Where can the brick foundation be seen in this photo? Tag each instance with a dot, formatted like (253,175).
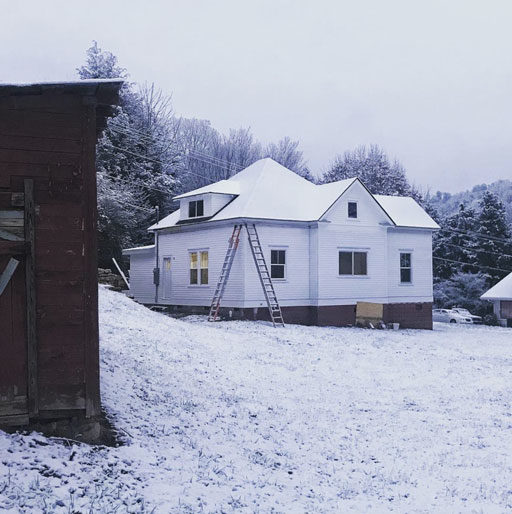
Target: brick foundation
(409,315)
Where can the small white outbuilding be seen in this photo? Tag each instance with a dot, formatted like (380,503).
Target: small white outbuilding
(327,248)
(501,297)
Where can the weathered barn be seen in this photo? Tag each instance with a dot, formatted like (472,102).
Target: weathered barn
(49,364)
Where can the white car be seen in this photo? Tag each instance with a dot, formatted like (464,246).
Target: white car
(477,320)
(449,316)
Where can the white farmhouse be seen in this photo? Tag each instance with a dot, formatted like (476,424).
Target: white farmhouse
(501,296)
(327,246)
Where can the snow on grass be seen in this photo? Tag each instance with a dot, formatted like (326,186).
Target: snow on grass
(241,416)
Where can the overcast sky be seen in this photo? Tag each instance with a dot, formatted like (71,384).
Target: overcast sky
(430,81)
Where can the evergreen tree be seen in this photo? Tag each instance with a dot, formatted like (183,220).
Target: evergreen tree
(137,159)
(456,242)
(463,290)
(495,243)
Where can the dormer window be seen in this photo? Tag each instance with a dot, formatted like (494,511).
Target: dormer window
(196,209)
(352,210)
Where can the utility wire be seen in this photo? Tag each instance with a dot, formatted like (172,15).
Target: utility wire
(473,265)
(476,234)
(478,251)
(128,131)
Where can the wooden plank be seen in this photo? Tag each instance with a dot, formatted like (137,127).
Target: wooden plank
(18,199)
(13,248)
(10,236)
(7,274)
(14,421)
(12,214)
(38,157)
(54,103)
(30,284)
(43,144)
(92,365)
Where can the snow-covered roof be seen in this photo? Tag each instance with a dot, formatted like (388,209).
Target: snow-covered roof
(501,291)
(225,187)
(405,212)
(267,190)
(128,251)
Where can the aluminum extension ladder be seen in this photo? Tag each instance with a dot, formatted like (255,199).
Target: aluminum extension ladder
(224,273)
(261,266)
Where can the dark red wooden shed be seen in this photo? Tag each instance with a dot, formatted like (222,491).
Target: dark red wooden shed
(49,363)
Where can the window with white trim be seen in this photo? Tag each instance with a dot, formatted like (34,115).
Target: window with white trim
(353,263)
(196,209)
(352,210)
(405,267)
(278,264)
(198,267)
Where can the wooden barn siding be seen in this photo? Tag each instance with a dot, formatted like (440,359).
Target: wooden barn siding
(51,140)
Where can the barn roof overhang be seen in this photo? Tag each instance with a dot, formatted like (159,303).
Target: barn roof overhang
(104,93)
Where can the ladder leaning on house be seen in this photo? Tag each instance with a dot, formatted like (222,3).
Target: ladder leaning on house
(261,266)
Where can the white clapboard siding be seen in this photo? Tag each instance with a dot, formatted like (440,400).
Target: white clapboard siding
(419,244)
(213,202)
(142,263)
(178,245)
(295,288)
(337,232)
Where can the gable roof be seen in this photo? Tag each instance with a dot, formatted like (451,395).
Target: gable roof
(501,291)
(267,190)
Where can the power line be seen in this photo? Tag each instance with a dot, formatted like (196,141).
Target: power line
(476,234)
(478,251)
(473,265)
(222,163)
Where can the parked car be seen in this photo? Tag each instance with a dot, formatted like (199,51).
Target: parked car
(449,316)
(477,320)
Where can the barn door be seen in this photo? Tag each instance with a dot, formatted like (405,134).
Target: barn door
(13,345)
(18,345)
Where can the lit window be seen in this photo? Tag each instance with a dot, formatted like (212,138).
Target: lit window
(353,263)
(196,209)
(405,268)
(193,267)
(199,268)
(352,209)
(277,263)
(204,267)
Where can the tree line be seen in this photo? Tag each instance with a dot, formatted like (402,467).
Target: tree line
(148,154)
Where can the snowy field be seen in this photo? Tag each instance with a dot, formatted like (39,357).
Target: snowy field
(243,417)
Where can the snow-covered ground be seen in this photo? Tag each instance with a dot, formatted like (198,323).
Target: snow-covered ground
(241,416)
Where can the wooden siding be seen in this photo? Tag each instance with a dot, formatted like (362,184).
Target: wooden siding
(48,139)
(215,241)
(141,276)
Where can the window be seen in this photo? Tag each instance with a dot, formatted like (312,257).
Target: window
(193,267)
(198,268)
(277,263)
(204,267)
(352,209)
(353,263)
(196,209)
(405,268)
